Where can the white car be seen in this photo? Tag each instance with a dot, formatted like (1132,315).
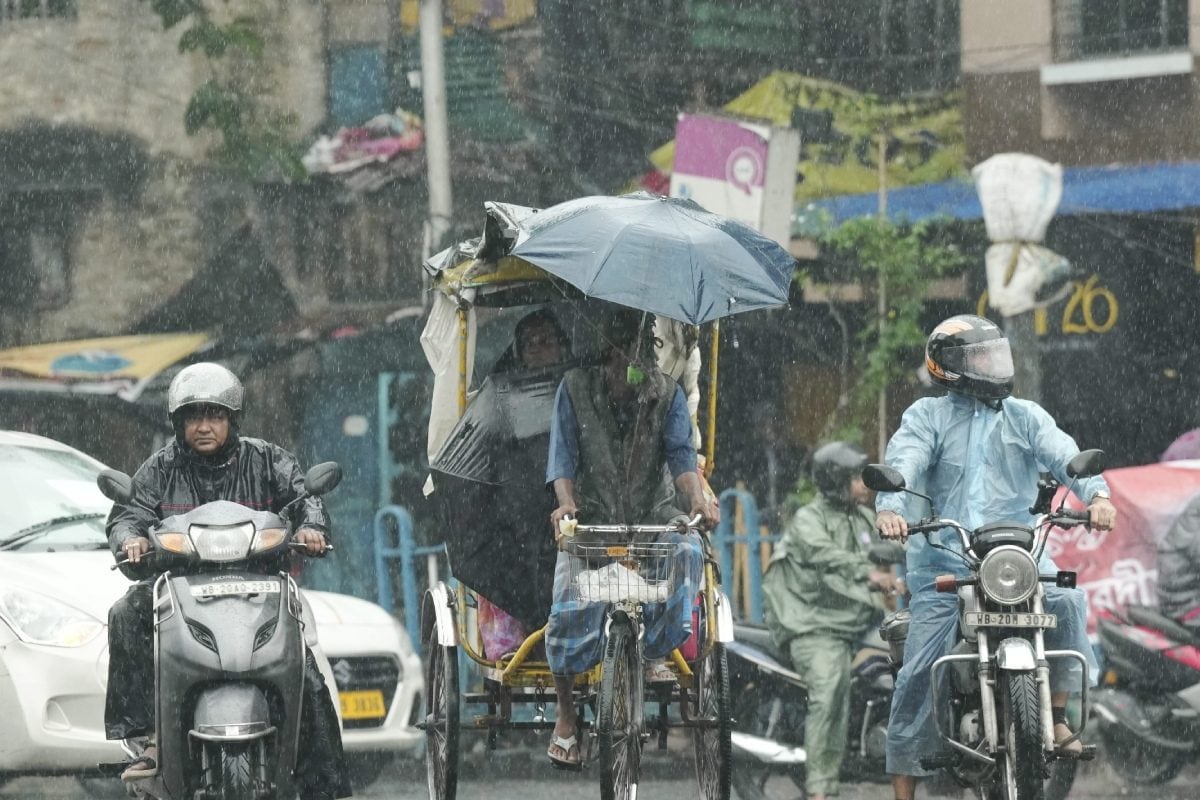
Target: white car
(56,587)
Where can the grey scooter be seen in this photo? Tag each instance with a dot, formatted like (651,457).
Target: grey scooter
(229,650)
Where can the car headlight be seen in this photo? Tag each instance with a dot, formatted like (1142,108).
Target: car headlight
(1008,575)
(39,619)
(226,543)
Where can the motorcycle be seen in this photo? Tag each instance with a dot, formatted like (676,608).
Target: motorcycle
(1149,707)
(997,728)
(771,701)
(229,650)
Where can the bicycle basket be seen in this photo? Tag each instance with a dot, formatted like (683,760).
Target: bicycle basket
(616,572)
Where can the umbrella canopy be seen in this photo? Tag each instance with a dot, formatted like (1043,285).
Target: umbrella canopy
(663,255)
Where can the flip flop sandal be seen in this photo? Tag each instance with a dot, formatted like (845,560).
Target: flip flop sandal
(145,766)
(566,745)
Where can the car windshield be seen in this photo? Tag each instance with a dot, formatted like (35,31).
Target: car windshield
(50,501)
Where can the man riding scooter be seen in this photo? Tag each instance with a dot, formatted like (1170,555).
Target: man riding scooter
(820,595)
(207,461)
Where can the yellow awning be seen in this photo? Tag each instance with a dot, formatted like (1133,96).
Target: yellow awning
(130,358)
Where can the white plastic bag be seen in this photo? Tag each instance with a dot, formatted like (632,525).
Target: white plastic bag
(1021,277)
(1019,194)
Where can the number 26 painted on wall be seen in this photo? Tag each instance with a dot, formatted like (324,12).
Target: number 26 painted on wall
(1090,308)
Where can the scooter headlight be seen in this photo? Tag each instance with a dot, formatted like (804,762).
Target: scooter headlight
(225,543)
(1008,575)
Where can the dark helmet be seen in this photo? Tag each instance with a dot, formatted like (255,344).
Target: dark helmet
(205,384)
(971,355)
(833,465)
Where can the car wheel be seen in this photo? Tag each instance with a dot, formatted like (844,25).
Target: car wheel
(365,768)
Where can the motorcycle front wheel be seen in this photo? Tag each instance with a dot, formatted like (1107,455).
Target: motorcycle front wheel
(618,721)
(1021,769)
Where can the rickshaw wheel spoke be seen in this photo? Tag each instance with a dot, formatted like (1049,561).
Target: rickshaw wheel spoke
(441,719)
(713,745)
(620,740)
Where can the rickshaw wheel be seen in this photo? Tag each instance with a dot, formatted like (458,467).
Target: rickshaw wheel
(713,745)
(441,722)
(618,721)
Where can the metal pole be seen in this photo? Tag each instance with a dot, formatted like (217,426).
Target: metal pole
(881,306)
(437,126)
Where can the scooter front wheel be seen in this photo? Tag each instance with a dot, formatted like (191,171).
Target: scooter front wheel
(235,772)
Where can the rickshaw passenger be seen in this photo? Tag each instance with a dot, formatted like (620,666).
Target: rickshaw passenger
(538,341)
(620,436)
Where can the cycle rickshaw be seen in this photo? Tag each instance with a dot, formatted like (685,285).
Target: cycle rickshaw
(623,566)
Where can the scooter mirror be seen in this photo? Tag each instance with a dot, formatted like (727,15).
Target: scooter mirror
(322,478)
(116,486)
(882,478)
(1086,464)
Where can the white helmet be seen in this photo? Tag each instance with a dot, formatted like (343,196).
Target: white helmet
(205,383)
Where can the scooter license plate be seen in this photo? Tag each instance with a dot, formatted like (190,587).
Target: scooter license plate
(363,704)
(1009,619)
(234,587)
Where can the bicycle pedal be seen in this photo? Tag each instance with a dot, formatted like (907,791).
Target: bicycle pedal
(940,761)
(1089,752)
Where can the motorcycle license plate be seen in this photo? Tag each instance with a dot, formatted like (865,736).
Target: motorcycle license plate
(1009,619)
(234,587)
(366,704)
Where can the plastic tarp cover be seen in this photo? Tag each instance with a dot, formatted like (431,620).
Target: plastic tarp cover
(491,498)
(440,341)
(1019,194)
(1118,568)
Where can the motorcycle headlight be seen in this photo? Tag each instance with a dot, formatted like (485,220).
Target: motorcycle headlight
(39,619)
(1008,575)
(227,543)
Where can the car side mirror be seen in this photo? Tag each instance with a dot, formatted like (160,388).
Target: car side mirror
(1086,464)
(115,485)
(882,478)
(322,478)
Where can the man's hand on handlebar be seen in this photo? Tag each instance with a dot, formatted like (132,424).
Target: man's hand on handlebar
(708,509)
(558,515)
(891,525)
(1102,513)
(313,541)
(134,548)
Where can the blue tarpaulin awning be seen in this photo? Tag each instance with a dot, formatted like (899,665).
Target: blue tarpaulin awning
(1112,189)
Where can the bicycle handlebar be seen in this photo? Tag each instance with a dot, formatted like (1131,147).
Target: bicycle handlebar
(694,522)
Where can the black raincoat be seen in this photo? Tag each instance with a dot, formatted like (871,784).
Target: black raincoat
(175,480)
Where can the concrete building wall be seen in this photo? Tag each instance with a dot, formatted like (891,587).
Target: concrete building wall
(1007,106)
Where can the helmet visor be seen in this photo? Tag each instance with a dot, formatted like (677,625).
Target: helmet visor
(986,361)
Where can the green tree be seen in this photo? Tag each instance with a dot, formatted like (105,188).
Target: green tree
(254,138)
(905,259)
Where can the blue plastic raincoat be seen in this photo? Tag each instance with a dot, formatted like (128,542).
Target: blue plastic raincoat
(979,465)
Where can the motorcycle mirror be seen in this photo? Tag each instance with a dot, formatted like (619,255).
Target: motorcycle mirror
(1086,464)
(882,478)
(322,478)
(115,485)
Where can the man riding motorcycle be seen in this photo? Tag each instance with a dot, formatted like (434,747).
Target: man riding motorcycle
(978,453)
(207,461)
(818,602)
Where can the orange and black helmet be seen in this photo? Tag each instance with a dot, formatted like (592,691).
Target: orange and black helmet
(970,354)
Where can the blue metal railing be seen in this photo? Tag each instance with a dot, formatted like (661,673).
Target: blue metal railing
(725,540)
(406,550)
